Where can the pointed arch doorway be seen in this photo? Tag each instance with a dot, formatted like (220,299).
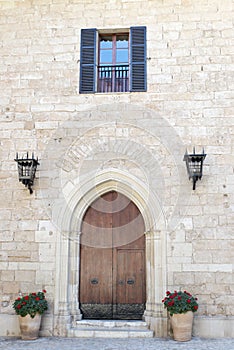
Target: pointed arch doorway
(112,259)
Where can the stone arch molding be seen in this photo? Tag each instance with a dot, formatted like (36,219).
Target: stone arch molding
(108,180)
(68,246)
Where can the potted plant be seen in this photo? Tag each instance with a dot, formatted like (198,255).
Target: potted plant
(30,307)
(181,306)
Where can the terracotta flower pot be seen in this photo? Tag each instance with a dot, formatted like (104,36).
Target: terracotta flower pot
(29,327)
(182,326)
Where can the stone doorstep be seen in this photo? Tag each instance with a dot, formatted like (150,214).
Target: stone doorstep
(112,323)
(110,329)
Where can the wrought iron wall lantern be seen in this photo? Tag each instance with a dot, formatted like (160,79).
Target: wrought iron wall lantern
(27,170)
(194,164)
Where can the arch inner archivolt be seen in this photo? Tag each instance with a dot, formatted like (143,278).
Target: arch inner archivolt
(67,311)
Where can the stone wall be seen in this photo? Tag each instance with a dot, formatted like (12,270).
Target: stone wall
(189,102)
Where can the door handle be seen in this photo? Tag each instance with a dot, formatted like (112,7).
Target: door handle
(94,281)
(130,281)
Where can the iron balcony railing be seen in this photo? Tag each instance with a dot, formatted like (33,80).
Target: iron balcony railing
(113,78)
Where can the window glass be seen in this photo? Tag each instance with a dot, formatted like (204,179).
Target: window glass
(113,49)
(106,57)
(122,49)
(122,41)
(122,56)
(106,42)
(106,50)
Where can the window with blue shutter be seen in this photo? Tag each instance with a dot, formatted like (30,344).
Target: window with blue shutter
(138,59)
(88,61)
(121,67)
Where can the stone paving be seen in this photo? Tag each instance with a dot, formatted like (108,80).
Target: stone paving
(54,343)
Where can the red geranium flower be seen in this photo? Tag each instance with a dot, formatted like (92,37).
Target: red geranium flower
(31,304)
(44,291)
(179,302)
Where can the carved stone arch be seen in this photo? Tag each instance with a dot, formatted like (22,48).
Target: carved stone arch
(68,258)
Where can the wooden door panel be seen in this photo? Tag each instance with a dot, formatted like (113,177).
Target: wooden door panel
(96,283)
(112,275)
(96,277)
(130,294)
(130,276)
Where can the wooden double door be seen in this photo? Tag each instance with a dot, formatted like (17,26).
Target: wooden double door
(112,260)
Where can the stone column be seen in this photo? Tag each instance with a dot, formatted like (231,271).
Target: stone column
(154,314)
(62,314)
(74,270)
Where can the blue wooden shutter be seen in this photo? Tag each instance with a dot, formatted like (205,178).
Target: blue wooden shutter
(138,59)
(88,61)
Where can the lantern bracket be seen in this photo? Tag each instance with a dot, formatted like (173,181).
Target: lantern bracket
(26,170)
(194,164)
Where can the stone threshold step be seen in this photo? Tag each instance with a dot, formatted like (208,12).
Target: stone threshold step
(109,333)
(110,324)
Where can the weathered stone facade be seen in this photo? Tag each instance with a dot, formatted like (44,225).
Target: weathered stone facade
(133,142)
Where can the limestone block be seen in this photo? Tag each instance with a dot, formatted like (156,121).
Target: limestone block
(7,276)
(10,287)
(27,225)
(222,257)
(44,277)
(9,325)
(24,276)
(204,277)
(182,249)
(46,252)
(6,236)
(45,236)
(24,236)
(180,278)
(203,256)
(222,277)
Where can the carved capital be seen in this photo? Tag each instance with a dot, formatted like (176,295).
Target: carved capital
(153,234)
